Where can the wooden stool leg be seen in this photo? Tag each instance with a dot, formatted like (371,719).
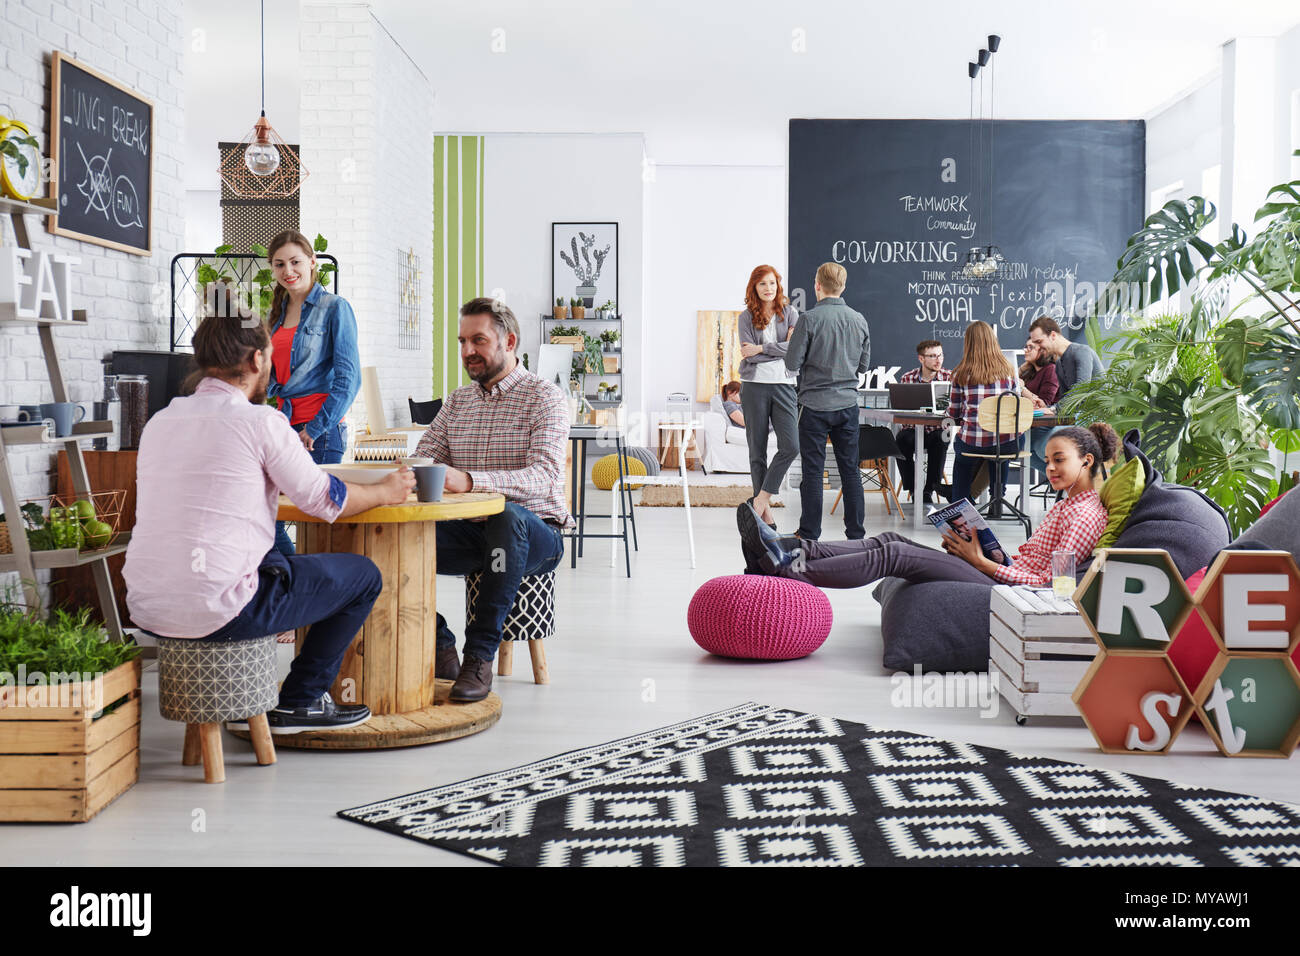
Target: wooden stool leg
(214,764)
(191,756)
(259,732)
(837,501)
(505,658)
(538,652)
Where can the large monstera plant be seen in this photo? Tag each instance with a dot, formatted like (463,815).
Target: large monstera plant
(1214,389)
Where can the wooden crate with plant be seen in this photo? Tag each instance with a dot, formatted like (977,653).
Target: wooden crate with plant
(69,717)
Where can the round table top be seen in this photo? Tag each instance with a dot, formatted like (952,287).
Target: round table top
(472,504)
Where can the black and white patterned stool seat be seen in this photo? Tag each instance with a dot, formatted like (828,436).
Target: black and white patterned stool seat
(206,682)
(531,617)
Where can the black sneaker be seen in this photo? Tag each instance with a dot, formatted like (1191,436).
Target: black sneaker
(324,714)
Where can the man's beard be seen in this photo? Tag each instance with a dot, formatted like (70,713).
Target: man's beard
(259,393)
(490,369)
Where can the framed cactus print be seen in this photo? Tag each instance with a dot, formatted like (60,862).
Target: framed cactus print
(584,263)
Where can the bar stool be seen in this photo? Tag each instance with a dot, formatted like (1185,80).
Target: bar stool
(531,618)
(204,683)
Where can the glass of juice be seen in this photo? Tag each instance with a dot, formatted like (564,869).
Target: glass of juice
(1063,574)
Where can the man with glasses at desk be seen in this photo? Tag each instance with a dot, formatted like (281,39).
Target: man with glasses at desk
(930,356)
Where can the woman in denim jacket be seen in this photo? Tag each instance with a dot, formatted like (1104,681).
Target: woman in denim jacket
(768,392)
(316,369)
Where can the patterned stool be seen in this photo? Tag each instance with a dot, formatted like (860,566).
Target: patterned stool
(203,683)
(531,618)
(756,617)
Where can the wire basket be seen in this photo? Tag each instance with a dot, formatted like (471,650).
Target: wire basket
(107,505)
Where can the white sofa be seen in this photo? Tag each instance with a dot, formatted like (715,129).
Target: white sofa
(723,446)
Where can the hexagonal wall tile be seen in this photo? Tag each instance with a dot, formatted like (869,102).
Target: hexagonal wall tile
(1250,704)
(1251,601)
(1126,701)
(1134,600)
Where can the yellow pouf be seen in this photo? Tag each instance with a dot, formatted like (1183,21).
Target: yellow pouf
(605,472)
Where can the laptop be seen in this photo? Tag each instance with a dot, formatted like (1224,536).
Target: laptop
(910,395)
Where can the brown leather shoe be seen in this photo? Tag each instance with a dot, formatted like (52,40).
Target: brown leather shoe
(475,680)
(446,664)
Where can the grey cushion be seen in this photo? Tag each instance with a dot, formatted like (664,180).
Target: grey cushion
(944,625)
(940,625)
(646,457)
(1279,530)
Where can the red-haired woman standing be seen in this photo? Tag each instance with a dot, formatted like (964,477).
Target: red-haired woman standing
(768,393)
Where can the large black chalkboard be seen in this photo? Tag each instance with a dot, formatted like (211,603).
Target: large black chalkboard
(871,194)
(103,144)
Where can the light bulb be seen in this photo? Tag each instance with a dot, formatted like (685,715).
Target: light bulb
(262,159)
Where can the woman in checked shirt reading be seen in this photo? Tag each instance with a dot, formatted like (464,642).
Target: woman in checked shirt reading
(1075,523)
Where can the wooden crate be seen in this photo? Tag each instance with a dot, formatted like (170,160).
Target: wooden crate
(59,764)
(1040,648)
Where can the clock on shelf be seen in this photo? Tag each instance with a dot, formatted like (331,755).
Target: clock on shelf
(20,161)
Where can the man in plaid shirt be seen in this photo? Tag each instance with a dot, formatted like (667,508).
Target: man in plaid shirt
(504,433)
(930,368)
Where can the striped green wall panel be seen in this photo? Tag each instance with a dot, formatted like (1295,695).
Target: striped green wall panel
(457,249)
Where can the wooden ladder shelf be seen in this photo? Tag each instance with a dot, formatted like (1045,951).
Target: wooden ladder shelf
(23,560)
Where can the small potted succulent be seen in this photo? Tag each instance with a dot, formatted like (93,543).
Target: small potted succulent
(559,312)
(608,311)
(609,339)
(578,309)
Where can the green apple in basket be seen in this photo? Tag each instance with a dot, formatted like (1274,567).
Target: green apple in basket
(96,533)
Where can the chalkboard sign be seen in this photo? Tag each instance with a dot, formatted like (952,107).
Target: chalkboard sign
(103,146)
(898,204)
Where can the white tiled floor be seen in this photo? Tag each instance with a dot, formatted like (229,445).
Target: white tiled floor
(623,662)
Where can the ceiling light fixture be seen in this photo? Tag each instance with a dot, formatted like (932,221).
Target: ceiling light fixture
(262,166)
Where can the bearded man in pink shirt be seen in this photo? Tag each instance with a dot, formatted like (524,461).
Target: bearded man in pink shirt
(202,563)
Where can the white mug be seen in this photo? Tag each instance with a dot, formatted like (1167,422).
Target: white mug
(14,413)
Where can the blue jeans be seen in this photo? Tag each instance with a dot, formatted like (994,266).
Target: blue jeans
(841,426)
(505,548)
(332,592)
(964,469)
(326,450)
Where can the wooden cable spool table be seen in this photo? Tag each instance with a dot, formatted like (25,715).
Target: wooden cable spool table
(390,665)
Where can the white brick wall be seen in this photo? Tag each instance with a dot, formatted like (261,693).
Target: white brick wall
(367,133)
(139,43)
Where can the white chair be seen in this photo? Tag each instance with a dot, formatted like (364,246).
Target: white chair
(723,445)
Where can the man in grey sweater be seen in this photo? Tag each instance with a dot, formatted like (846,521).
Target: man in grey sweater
(830,348)
(1075,362)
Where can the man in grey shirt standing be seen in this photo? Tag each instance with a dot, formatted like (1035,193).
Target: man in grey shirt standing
(830,348)
(1075,362)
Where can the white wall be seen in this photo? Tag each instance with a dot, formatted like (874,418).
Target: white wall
(367,134)
(707,227)
(532,180)
(138,43)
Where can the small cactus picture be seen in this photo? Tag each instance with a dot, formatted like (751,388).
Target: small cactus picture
(585,262)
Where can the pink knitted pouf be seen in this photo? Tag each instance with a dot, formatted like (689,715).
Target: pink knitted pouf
(756,617)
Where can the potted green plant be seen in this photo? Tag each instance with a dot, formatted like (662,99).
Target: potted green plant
(609,339)
(1214,391)
(608,311)
(558,311)
(577,308)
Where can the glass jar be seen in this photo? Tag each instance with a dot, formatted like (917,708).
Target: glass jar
(133,392)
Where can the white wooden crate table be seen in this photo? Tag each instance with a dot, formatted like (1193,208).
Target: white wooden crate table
(1039,648)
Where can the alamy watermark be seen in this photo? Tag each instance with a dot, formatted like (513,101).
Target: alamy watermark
(60,689)
(952,689)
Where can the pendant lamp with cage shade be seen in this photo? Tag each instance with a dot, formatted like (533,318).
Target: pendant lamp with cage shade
(263,165)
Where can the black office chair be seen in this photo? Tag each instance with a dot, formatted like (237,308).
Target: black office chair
(423,413)
(876,445)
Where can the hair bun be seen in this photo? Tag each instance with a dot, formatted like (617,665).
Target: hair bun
(1106,438)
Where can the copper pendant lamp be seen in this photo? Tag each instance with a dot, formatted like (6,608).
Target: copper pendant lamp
(262,165)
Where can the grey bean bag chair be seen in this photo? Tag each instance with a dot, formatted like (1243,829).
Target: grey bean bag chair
(944,625)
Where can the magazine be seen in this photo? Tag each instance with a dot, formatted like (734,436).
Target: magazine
(965,520)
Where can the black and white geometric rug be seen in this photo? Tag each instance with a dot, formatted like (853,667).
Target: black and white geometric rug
(760,786)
